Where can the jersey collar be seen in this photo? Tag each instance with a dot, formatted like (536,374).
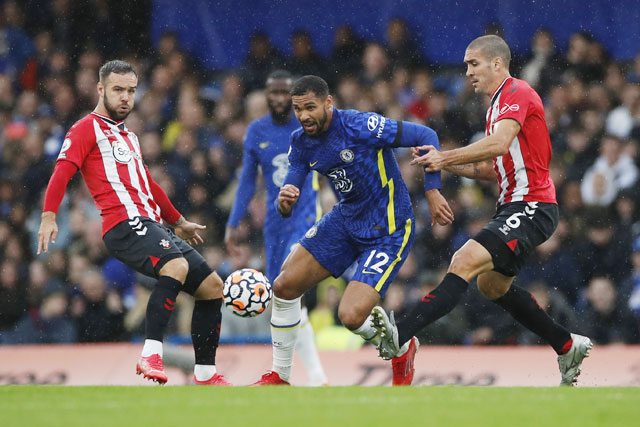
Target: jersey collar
(499,89)
(109,120)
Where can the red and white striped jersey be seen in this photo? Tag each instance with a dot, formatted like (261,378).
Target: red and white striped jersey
(109,158)
(523,172)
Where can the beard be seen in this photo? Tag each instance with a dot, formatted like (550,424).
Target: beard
(113,111)
(280,117)
(319,125)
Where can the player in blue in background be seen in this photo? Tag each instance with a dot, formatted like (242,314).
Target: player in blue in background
(266,146)
(372,224)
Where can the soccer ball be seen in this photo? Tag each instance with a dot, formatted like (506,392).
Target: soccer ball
(247,292)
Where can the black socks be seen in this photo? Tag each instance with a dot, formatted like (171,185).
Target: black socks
(433,306)
(205,330)
(160,306)
(525,309)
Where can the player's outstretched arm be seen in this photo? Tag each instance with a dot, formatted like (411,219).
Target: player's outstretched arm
(188,231)
(288,196)
(48,231)
(478,170)
(489,147)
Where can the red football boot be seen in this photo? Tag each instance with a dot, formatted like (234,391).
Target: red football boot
(152,368)
(270,378)
(403,368)
(217,379)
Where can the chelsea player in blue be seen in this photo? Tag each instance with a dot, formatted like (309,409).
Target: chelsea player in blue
(372,224)
(266,146)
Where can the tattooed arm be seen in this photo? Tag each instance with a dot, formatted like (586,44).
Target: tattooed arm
(478,170)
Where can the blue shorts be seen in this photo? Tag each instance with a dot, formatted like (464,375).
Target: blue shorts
(378,259)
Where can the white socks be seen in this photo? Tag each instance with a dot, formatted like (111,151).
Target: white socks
(308,353)
(285,323)
(368,332)
(204,372)
(152,347)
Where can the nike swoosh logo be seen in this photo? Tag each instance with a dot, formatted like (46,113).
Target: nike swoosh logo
(264,144)
(368,272)
(314,163)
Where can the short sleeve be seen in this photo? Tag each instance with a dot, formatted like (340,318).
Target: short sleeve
(372,128)
(78,143)
(514,102)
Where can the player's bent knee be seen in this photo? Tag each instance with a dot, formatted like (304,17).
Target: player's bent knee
(351,317)
(492,290)
(210,287)
(178,268)
(284,287)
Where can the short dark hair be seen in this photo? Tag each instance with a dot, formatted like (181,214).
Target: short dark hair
(117,66)
(492,46)
(313,84)
(279,75)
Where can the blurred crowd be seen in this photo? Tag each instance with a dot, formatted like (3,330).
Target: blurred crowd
(191,124)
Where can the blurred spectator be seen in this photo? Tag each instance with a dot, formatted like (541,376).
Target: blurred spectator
(607,319)
(48,324)
(612,172)
(620,120)
(304,59)
(98,312)
(261,59)
(544,67)
(347,49)
(400,45)
(375,65)
(12,296)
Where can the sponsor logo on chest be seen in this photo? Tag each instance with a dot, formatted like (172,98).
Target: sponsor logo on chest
(122,153)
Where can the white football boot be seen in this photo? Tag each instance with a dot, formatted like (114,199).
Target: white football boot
(569,363)
(388,332)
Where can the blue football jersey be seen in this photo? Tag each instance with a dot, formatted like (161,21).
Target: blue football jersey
(356,154)
(266,146)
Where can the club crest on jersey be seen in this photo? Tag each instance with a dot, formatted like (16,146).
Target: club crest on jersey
(311,232)
(121,152)
(165,244)
(347,156)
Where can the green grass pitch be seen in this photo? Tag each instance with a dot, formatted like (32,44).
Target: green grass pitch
(326,406)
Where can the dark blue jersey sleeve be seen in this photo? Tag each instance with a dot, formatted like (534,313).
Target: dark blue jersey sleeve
(297,172)
(414,135)
(247,183)
(371,128)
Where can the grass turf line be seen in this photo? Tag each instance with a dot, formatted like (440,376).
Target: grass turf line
(325,406)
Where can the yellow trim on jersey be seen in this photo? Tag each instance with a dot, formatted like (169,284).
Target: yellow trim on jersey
(407,234)
(315,185)
(391,215)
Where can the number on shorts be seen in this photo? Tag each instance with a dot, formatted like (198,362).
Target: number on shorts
(377,267)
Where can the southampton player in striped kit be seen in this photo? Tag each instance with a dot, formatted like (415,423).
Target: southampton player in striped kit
(372,224)
(266,145)
(516,151)
(132,206)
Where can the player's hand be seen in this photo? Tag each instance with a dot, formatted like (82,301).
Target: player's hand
(433,161)
(231,240)
(48,231)
(188,231)
(288,196)
(441,212)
